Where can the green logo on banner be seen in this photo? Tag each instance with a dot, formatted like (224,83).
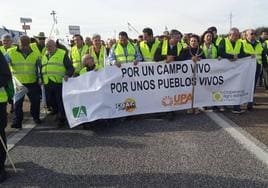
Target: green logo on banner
(217,96)
(79,112)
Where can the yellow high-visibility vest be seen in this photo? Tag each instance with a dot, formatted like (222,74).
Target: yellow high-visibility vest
(24,69)
(53,68)
(148,55)
(35,48)
(4,51)
(213,50)
(229,47)
(99,61)
(165,48)
(218,41)
(76,57)
(120,55)
(257,51)
(3,95)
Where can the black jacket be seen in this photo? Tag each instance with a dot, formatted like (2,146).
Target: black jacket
(5,74)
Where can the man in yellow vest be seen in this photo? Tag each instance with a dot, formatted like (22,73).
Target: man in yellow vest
(170,49)
(124,52)
(23,63)
(98,52)
(5,77)
(89,64)
(231,48)
(77,52)
(56,67)
(88,41)
(7,43)
(149,45)
(39,47)
(253,47)
(264,40)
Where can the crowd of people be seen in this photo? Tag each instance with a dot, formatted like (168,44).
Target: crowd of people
(43,61)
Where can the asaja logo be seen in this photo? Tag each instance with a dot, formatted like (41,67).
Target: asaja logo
(176,100)
(129,105)
(79,111)
(217,96)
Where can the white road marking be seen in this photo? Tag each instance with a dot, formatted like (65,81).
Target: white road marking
(254,146)
(15,137)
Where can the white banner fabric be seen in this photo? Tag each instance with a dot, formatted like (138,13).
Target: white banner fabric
(157,87)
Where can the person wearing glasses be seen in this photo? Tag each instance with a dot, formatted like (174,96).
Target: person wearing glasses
(254,48)
(39,47)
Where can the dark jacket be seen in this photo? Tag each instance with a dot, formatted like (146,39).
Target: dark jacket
(5,74)
(222,52)
(159,57)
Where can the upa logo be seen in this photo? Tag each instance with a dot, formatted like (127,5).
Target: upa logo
(79,112)
(217,96)
(176,100)
(129,105)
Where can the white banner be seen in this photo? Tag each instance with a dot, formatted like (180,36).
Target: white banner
(157,87)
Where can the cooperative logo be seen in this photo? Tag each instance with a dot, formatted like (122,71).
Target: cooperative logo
(176,100)
(217,96)
(79,112)
(129,105)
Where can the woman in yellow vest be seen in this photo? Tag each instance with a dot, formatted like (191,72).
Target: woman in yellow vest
(5,77)
(209,49)
(98,52)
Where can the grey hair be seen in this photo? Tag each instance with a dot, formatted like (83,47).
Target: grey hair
(95,35)
(6,36)
(87,56)
(234,29)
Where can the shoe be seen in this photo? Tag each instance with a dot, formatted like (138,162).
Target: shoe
(61,124)
(170,116)
(37,121)
(250,109)
(3,175)
(16,126)
(221,109)
(52,112)
(238,111)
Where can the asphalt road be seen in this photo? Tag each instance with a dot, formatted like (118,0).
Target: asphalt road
(191,151)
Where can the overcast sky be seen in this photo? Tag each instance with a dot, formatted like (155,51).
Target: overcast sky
(108,17)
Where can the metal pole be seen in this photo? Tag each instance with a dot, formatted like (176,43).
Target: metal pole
(25,28)
(53,13)
(8,156)
(129,25)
